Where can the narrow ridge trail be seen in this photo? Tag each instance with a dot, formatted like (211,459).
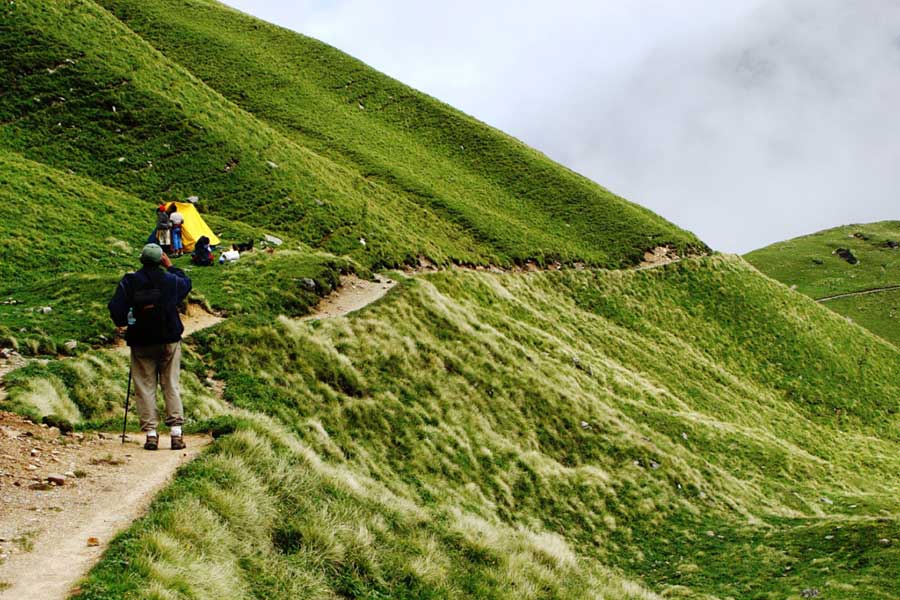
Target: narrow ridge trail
(356,293)
(353,294)
(889,288)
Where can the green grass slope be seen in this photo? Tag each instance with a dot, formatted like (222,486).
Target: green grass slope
(68,240)
(89,95)
(564,434)
(552,435)
(109,107)
(509,195)
(809,264)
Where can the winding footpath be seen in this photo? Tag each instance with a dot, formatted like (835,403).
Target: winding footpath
(50,538)
(889,288)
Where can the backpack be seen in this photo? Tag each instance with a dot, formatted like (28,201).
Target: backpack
(151,322)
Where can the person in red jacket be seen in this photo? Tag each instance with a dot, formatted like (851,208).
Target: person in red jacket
(146,302)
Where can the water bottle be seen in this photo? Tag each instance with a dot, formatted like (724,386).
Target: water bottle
(131,319)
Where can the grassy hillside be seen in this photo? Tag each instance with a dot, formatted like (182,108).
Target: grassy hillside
(68,241)
(110,107)
(562,434)
(553,435)
(810,264)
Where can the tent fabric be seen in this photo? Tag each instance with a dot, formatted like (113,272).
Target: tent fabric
(194,227)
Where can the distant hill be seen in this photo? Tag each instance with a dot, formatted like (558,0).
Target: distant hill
(851,260)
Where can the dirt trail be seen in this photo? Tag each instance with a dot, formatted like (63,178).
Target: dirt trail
(889,288)
(7,365)
(45,530)
(354,294)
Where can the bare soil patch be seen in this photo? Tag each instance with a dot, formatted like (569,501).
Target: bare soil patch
(661,255)
(50,534)
(9,363)
(354,294)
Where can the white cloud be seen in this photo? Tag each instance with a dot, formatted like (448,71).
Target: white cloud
(746,122)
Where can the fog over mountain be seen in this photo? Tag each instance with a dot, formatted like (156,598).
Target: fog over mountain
(746,123)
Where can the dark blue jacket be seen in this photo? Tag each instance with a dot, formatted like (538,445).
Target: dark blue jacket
(174,286)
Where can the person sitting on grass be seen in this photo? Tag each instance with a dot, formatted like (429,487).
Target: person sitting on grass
(202,255)
(146,302)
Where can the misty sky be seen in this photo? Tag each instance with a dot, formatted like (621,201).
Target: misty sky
(747,121)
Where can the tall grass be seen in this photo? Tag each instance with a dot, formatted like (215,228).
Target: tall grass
(648,424)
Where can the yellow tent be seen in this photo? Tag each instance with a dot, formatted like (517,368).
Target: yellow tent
(194,226)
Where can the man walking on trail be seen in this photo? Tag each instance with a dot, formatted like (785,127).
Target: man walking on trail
(147,303)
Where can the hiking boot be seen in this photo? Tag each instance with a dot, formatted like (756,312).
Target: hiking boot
(178,443)
(152,442)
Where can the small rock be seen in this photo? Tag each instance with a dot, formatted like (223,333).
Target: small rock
(684,436)
(585,425)
(884,542)
(826,500)
(35,452)
(93,542)
(308,283)
(69,474)
(829,537)
(654,464)
(271,239)
(362,241)
(710,533)
(56,422)
(31,468)
(193,199)
(45,310)
(56,479)
(271,164)
(847,254)
(810,593)
(70,345)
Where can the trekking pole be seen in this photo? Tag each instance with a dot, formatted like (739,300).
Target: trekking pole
(127,396)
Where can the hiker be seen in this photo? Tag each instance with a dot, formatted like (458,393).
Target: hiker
(163,229)
(147,303)
(202,255)
(177,220)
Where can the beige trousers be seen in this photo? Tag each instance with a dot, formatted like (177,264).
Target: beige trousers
(149,364)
